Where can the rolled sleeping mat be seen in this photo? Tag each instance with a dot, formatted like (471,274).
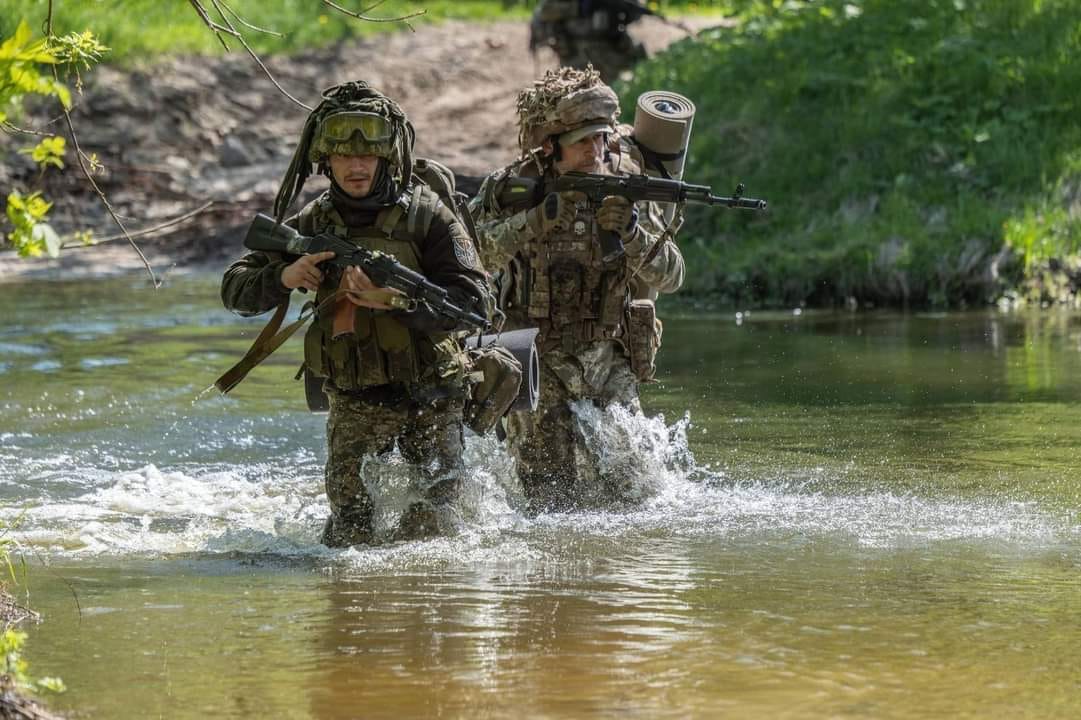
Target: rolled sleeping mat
(662,128)
(521,345)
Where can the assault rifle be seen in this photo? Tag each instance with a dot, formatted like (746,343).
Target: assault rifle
(522,193)
(268,235)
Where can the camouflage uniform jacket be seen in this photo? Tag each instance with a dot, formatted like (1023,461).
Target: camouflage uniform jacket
(442,251)
(517,258)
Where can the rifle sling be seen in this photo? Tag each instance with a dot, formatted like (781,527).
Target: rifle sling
(269,340)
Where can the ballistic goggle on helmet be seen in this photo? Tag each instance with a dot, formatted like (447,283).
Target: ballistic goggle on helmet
(352,132)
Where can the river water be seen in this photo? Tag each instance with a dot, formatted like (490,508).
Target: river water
(864,515)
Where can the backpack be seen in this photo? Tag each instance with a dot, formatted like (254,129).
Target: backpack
(440,180)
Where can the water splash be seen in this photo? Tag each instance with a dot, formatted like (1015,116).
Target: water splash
(276,504)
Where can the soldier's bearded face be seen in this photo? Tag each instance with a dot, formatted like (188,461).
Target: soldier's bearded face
(583,156)
(354,173)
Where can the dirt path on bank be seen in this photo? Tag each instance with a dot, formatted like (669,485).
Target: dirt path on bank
(189,131)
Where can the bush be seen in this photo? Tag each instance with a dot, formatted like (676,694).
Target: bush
(901,144)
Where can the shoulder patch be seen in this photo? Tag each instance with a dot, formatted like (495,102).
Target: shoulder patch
(465,252)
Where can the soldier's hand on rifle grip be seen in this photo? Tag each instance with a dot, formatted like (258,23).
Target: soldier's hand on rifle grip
(362,292)
(619,215)
(556,212)
(303,273)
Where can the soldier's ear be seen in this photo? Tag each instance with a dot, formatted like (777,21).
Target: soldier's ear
(324,167)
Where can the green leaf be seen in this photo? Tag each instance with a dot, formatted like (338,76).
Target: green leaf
(52,684)
(15,202)
(44,234)
(37,206)
(49,151)
(22,34)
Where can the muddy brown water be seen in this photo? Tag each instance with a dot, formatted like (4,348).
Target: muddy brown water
(840,515)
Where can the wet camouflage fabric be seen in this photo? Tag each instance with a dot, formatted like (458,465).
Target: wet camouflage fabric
(554,462)
(555,465)
(424,434)
(504,238)
(428,435)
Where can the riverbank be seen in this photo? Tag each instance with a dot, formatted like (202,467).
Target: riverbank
(191,130)
(913,154)
(906,192)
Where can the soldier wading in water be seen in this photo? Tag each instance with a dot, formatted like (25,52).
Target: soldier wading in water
(396,377)
(595,342)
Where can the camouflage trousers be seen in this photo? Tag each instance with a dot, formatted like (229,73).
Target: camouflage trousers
(554,462)
(427,433)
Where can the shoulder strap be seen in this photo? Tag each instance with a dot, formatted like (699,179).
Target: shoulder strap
(422,211)
(268,341)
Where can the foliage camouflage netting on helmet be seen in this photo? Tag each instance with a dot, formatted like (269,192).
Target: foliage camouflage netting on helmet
(356,96)
(563,100)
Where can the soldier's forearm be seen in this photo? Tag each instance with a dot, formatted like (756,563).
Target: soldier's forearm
(663,271)
(502,238)
(248,290)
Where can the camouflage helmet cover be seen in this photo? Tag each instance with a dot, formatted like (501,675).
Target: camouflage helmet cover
(314,147)
(564,100)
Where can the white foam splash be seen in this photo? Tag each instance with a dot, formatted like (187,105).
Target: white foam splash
(278,507)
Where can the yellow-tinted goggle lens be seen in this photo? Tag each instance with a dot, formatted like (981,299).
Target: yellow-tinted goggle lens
(340,127)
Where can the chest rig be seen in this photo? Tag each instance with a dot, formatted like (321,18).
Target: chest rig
(381,350)
(571,294)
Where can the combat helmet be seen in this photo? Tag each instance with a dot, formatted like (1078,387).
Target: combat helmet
(567,103)
(352,119)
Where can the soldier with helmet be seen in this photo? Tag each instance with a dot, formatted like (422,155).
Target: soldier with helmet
(393,376)
(589,32)
(597,338)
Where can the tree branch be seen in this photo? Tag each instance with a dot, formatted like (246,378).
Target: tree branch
(362,16)
(86,172)
(145,231)
(220,6)
(214,27)
(248,25)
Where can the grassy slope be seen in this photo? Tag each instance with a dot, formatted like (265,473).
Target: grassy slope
(901,144)
(137,29)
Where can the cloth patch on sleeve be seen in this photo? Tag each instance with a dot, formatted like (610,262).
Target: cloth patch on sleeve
(465,252)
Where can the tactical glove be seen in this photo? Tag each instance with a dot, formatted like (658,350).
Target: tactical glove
(619,215)
(556,212)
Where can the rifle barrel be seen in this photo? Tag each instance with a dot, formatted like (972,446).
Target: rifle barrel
(740,203)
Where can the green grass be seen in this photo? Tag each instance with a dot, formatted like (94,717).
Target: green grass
(140,29)
(900,143)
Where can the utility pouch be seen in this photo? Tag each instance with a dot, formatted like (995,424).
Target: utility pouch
(643,338)
(497,377)
(315,358)
(342,358)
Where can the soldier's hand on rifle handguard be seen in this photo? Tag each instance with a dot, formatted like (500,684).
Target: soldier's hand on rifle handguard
(556,212)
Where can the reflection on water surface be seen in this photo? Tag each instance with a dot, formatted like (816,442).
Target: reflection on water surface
(843,515)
